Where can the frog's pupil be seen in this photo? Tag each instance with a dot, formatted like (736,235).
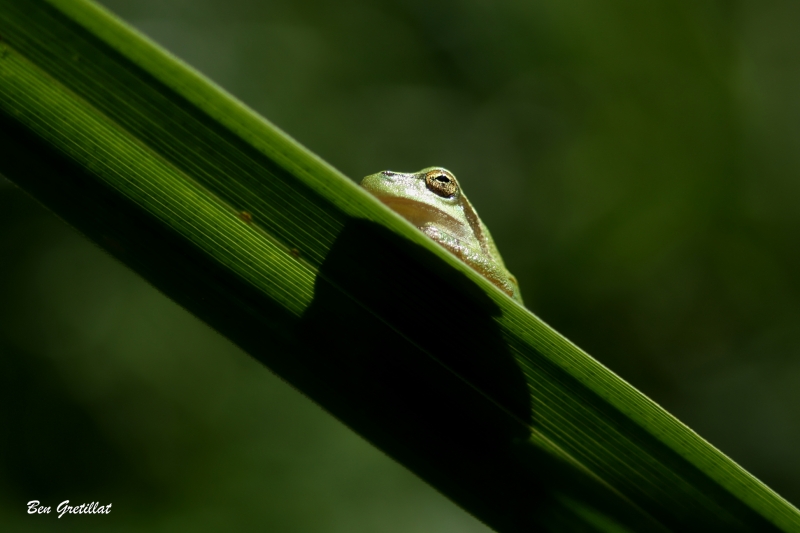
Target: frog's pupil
(442,179)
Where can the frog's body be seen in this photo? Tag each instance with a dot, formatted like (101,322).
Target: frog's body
(432,200)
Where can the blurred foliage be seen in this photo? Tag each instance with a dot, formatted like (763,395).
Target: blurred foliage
(636,162)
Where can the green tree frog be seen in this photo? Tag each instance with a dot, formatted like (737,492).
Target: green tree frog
(433,201)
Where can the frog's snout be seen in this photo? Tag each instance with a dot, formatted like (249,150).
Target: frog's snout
(390,176)
(377,183)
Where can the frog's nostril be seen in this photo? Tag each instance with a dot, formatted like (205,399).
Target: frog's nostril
(388,173)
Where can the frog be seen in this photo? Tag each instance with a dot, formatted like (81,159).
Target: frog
(433,201)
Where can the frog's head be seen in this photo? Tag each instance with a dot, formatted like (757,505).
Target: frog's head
(432,200)
(430,196)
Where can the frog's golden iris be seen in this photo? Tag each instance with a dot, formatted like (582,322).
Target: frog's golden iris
(441,182)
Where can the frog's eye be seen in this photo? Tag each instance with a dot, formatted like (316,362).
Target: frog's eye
(441,183)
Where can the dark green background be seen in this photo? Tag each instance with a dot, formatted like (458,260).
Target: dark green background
(638,163)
